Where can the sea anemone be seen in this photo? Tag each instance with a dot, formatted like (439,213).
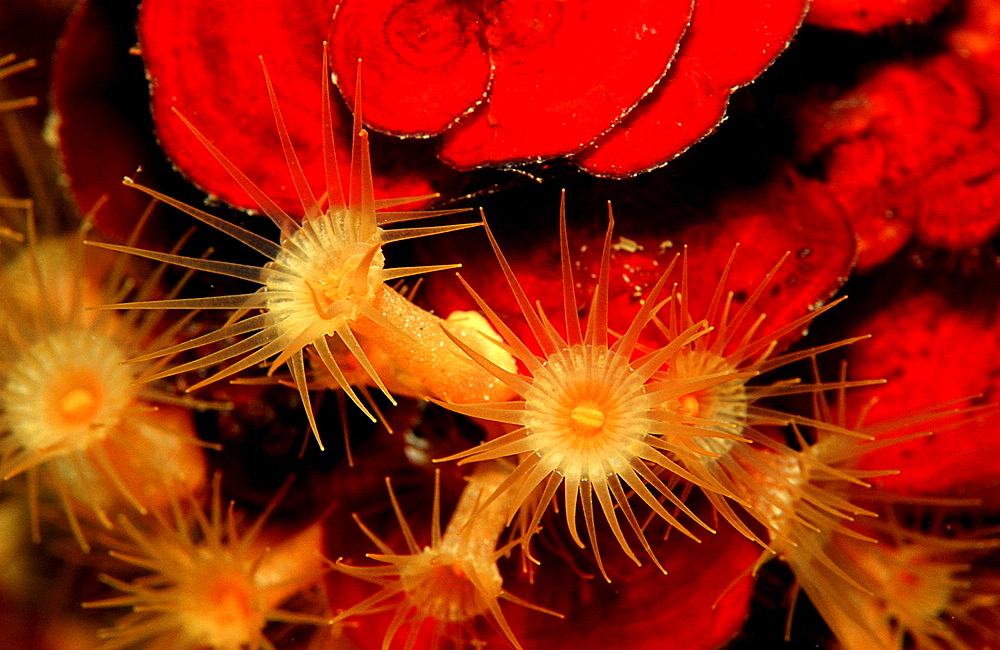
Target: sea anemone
(875,583)
(590,415)
(73,416)
(209,586)
(324,286)
(737,349)
(919,588)
(802,496)
(454,580)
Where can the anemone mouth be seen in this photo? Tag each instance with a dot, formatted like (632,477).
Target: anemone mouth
(777,497)
(222,610)
(585,405)
(324,273)
(76,398)
(724,407)
(442,586)
(65,391)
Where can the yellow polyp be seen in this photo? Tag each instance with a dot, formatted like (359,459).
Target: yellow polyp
(923,585)
(723,405)
(920,590)
(210,586)
(591,417)
(73,416)
(441,587)
(455,578)
(323,291)
(64,390)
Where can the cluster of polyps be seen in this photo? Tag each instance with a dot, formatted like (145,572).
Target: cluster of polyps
(594,416)
(86,430)
(601,416)
(76,420)
(116,450)
(878,584)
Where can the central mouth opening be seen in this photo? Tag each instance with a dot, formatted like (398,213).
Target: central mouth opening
(587,419)
(231,602)
(689,405)
(77,398)
(79,405)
